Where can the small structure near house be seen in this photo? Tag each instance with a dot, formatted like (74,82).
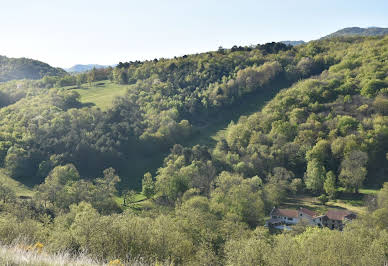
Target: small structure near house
(284,218)
(336,219)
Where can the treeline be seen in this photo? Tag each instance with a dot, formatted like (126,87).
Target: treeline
(162,106)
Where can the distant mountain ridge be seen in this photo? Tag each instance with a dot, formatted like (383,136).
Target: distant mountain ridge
(82,68)
(25,68)
(357,31)
(293,43)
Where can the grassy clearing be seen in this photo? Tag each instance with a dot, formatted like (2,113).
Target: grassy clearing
(138,198)
(369,191)
(349,201)
(101,93)
(305,201)
(353,202)
(18,188)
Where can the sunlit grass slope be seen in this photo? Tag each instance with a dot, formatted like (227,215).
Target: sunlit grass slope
(101,93)
(19,188)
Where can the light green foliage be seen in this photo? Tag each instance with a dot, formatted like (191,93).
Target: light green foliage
(382,198)
(380,215)
(62,188)
(184,169)
(16,161)
(381,104)
(353,170)
(323,198)
(372,87)
(129,197)
(275,190)
(320,152)
(315,175)
(148,185)
(346,124)
(6,193)
(330,185)
(296,185)
(238,199)
(252,250)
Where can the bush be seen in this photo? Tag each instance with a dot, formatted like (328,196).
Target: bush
(323,199)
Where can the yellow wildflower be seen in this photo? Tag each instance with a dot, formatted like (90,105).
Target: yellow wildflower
(116,262)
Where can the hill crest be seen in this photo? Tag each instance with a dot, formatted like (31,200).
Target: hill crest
(26,68)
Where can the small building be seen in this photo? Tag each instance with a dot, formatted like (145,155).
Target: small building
(336,219)
(333,219)
(282,218)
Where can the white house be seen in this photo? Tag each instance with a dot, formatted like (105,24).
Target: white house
(283,218)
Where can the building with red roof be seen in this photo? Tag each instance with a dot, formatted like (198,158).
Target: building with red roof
(333,219)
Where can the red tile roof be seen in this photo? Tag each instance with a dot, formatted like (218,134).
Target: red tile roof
(285,212)
(338,215)
(308,212)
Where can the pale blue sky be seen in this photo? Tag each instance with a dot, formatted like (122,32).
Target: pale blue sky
(67,32)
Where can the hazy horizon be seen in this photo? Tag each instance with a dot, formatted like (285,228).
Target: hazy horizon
(64,34)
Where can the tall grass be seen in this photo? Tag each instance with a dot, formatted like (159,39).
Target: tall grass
(18,255)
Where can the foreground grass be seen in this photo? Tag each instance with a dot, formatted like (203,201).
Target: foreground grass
(19,255)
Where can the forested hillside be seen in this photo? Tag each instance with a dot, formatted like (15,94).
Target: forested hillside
(166,101)
(24,68)
(324,132)
(324,135)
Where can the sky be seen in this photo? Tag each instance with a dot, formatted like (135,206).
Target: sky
(68,32)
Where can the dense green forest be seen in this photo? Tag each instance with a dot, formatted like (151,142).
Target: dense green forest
(169,99)
(324,134)
(24,68)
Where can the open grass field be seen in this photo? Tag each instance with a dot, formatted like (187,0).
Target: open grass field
(349,201)
(101,93)
(18,188)
(138,198)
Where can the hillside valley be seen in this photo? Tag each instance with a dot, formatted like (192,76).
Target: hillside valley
(183,161)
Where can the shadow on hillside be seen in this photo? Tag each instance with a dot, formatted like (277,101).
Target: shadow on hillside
(206,131)
(87,105)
